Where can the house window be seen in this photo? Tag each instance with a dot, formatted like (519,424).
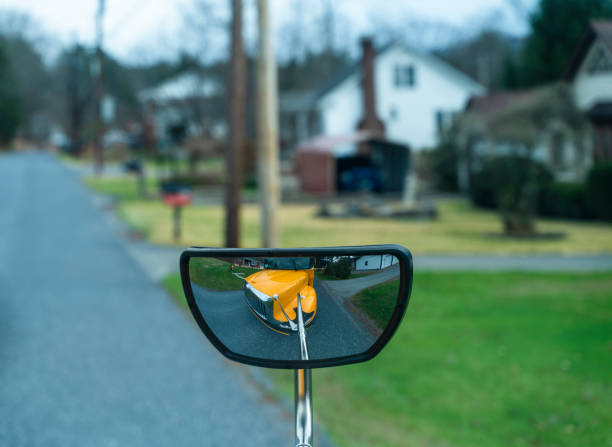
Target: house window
(557,150)
(404,76)
(393,113)
(439,121)
(444,121)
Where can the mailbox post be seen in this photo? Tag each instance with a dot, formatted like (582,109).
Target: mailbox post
(135,166)
(176,196)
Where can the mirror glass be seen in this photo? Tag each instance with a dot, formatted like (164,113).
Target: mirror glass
(253,304)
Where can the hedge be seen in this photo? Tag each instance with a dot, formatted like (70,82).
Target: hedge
(567,200)
(599,191)
(589,200)
(500,173)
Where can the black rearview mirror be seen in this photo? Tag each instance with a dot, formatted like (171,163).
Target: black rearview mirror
(298,308)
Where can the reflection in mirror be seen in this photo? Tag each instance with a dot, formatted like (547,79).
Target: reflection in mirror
(296,308)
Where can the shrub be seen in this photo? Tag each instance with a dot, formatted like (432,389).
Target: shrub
(511,184)
(340,269)
(442,162)
(567,200)
(599,191)
(499,176)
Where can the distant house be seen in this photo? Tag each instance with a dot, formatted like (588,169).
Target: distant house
(590,75)
(414,95)
(188,105)
(543,123)
(567,125)
(374,262)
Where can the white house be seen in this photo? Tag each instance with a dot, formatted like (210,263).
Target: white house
(590,74)
(540,122)
(189,103)
(415,95)
(374,262)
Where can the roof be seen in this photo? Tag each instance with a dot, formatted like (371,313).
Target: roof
(326,143)
(524,116)
(293,101)
(348,71)
(601,112)
(493,102)
(346,144)
(184,86)
(598,29)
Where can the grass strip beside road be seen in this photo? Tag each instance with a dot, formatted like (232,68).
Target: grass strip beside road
(378,302)
(173,285)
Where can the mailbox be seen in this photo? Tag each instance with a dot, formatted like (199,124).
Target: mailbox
(176,195)
(133,166)
(177,199)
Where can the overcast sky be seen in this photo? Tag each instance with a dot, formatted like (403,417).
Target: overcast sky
(139,29)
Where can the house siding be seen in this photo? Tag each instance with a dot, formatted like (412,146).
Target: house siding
(408,112)
(374,262)
(592,88)
(415,107)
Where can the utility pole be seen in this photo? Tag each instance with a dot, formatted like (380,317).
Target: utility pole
(98,73)
(267,129)
(237,122)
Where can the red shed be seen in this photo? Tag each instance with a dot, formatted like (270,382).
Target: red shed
(359,161)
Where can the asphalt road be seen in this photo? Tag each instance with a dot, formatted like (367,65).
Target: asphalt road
(334,332)
(92,352)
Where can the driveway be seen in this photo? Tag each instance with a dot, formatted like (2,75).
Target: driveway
(344,289)
(334,331)
(92,351)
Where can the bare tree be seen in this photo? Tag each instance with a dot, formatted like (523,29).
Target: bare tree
(75,71)
(237,124)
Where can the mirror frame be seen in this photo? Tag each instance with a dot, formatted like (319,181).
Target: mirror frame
(403,255)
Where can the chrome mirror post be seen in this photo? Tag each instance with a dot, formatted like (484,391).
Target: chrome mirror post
(303,389)
(303,407)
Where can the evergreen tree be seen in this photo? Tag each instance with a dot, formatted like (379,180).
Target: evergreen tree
(556,28)
(10,106)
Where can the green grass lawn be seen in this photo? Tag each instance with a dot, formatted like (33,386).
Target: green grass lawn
(217,275)
(459,228)
(123,188)
(378,301)
(488,359)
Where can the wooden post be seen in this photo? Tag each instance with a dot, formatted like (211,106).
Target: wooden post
(99,92)
(177,211)
(267,129)
(237,122)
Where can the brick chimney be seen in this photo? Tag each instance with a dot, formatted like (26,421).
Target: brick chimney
(370,120)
